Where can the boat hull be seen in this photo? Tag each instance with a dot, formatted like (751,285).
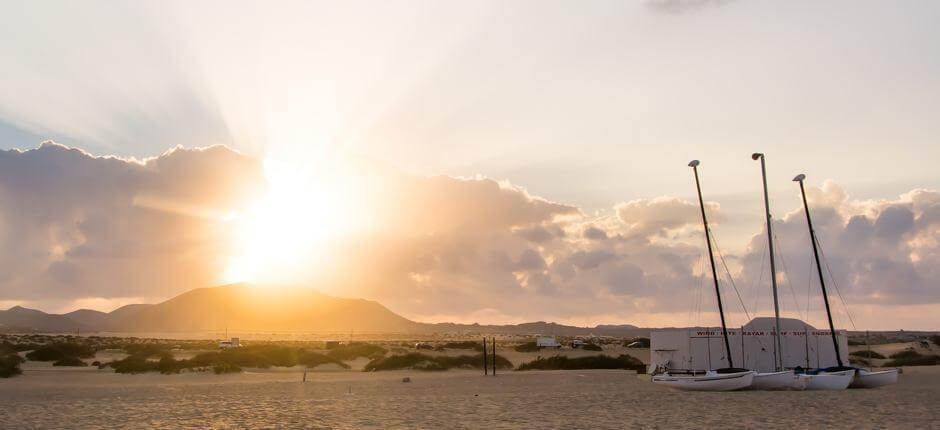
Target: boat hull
(829,381)
(785,380)
(710,381)
(866,379)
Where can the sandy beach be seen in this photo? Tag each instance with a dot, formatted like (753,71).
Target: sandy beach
(83,398)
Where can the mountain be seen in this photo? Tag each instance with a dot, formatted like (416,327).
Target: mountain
(242,307)
(19,318)
(88,317)
(246,308)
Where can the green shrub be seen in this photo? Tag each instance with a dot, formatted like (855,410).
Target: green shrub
(561,362)
(58,351)
(70,361)
(10,364)
(935,339)
(355,350)
(527,347)
(867,354)
(419,361)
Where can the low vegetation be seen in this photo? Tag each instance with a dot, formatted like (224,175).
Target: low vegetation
(70,361)
(60,351)
(561,362)
(912,358)
(867,354)
(591,347)
(355,350)
(641,342)
(527,347)
(225,361)
(935,339)
(419,361)
(9,361)
(467,344)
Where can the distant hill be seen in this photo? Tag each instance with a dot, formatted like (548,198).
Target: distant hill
(243,308)
(19,318)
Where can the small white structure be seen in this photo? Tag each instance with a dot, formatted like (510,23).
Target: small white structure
(226,344)
(577,343)
(752,347)
(546,342)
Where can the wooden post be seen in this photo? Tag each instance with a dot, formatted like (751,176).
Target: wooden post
(485,364)
(494,356)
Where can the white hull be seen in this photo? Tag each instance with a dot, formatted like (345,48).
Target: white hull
(710,381)
(866,379)
(829,381)
(785,380)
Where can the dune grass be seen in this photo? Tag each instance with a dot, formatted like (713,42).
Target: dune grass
(466,344)
(9,361)
(225,361)
(527,347)
(561,362)
(867,354)
(59,351)
(355,350)
(419,361)
(70,361)
(912,358)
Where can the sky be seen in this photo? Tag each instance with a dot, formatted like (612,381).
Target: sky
(472,161)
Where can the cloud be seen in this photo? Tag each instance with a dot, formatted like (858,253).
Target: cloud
(74,226)
(80,229)
(684,6)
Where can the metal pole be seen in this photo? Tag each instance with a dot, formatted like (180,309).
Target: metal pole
(778,360)
(822,282)
(711,258)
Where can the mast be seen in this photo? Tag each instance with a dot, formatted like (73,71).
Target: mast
(822,283)
(778,353)
(711,258)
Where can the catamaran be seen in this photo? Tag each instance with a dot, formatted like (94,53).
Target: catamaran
(724,379)
(839,376)
(779,379)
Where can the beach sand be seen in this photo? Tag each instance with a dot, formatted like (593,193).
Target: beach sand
(87,397)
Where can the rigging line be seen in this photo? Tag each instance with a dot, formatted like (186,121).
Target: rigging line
(760,278)
(786,273)
(694,304)
(730,278)
(834,285)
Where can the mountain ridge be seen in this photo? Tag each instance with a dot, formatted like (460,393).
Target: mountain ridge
(242,307)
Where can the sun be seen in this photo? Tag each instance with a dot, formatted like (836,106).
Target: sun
(284,234)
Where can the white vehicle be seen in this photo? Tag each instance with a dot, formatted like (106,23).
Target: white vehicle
(547,342)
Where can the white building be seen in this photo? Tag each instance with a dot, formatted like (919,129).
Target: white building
(752,347)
